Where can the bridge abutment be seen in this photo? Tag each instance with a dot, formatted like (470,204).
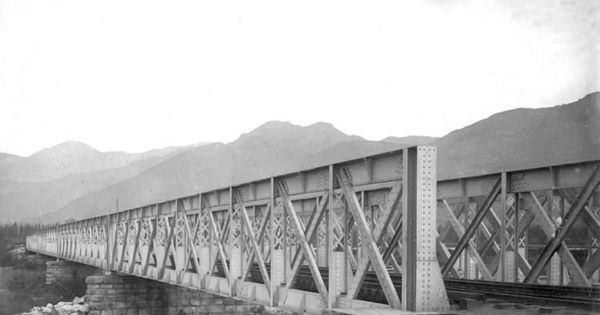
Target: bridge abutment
(119,294)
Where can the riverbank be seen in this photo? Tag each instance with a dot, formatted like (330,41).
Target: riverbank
(23,285)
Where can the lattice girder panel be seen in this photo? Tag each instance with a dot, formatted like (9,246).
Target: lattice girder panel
(251,230)
(371,239)
(474,218)
(520,215)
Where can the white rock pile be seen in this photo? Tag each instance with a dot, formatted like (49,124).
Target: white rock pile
(77,307)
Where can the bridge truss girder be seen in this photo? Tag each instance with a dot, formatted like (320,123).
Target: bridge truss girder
(346,217)
(349,217)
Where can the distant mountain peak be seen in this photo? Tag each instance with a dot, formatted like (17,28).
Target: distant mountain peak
(322,125)
(269,127)
(9,155)
(72,144)
(274,124)
(65,149)
(7,158)
(282,129)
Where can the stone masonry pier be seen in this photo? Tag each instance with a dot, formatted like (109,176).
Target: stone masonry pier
(115,294)
(68,272)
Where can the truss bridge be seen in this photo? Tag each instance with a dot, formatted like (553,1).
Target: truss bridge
(377,232)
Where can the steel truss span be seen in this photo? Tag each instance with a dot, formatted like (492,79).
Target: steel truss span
(348,217)
(345,217)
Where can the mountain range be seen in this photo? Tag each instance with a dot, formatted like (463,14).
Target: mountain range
(73,180)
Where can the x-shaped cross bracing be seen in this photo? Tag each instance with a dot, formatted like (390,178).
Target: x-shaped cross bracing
(371,240)
(302,240)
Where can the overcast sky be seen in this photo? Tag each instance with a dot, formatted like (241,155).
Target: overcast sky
(136,75)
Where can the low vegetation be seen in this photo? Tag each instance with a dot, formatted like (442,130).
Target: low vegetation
(12,243)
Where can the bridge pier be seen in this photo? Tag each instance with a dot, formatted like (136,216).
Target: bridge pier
(114,294)
(68,272)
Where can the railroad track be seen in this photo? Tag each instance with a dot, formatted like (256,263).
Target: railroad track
(587,298)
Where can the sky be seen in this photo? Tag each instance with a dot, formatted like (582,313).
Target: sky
(135,75)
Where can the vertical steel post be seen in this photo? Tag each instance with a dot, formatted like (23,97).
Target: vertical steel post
(272,244)
(232,274)
(516,240)
(330,238)
(343,279)
(563,272)
(592,238)
(467,210)
(504,208)
(241,240)
(553,270)
(422,283)
(107,245)
(203,253)
(409,230)
(363,205)
(284,242)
